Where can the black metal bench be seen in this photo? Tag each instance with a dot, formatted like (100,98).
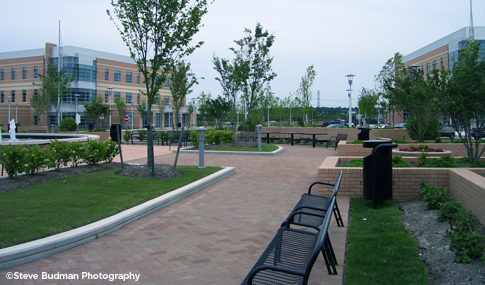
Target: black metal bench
(291,254)
(317,204)
(336,140)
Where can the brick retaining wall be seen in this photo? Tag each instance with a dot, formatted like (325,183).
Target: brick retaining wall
(467,185)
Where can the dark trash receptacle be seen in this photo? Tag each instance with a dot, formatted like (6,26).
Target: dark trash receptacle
(364,134)
(377,180)
(91,127)
(115,132)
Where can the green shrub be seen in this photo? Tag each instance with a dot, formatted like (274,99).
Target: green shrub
(68,124)
(60,153)
(466,244)
(432,129)
(422,158)
(142,135)
(36,159)
(127,135)
(13,159)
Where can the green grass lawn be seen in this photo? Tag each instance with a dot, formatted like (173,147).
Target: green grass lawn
(43,210)
(265,148)
(379,248)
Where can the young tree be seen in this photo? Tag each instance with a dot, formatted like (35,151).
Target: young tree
(367,102)
(142,110)
(254,59)
(408,89)
(462,96)
(121,106)
(56,84)
(40,102)
(181,83)
(218,109)
(96,109)
(305,90)
(230,80)
(158,34)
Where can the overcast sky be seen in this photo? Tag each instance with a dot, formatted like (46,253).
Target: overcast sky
(337,37)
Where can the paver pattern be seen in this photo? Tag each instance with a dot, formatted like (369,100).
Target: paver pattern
(212,237)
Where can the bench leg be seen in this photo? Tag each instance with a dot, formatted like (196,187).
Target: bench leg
(329,256)
(337,215)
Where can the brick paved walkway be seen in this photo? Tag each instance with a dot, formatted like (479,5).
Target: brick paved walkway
(212,237)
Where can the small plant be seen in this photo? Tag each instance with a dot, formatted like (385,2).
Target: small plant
(437,140)
(12,159)
(127,135)
(422,158)
(396,159)
(36,159)
(423,147)
(142,135)
(68,124)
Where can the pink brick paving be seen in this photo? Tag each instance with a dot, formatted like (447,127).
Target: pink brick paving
(212,237)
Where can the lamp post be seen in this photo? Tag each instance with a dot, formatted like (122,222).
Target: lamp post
(350,77)
(9,98)
(201,139)
(78,120)
(132,116)
(110,89)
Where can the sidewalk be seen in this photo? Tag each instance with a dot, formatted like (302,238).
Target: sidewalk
(212,237)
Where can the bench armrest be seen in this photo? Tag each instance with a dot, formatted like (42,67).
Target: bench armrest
(318,182)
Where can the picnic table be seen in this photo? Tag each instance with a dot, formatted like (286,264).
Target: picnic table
(314,140)
(267,135)
(292,135)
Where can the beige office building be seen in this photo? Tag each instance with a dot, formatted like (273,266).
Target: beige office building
(442,53)
(96,73)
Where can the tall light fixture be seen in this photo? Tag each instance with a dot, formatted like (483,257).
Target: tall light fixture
(77,119)
(350,77)
(132,115)
(110,89)
(9,100)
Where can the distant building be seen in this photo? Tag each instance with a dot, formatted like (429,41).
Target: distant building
(96,73)
(442,53)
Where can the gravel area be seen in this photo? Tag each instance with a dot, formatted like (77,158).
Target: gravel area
(433,245)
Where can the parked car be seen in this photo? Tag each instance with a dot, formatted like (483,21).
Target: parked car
(400,125)
(478,132)
(340,125)
(447,131)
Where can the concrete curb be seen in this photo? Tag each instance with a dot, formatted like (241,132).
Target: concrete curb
(273,153)
(30,251)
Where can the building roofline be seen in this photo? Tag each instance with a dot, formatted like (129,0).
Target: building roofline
(452,40)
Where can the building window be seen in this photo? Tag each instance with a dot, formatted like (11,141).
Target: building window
(106,74)
(428,67)
(36,92)
(2,97)
(138,98)
(12,96)
(138,78)
(442,64)
(36,72)
(106,95)
(117,94)
(117,76)
(128,77)
(2,74)
(166,100)
(129,99)
(24,96)
(13,73)
(166,82)
(435,64)
(24,72)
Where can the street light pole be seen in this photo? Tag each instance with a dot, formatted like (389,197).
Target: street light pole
(350,77)
(110,89)
(132,116)
(76,116)
(9,98)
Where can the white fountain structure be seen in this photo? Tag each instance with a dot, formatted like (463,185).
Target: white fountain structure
(40,138)
(11,130)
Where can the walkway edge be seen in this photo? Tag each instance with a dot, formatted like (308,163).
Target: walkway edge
(30,251)
(260,153)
